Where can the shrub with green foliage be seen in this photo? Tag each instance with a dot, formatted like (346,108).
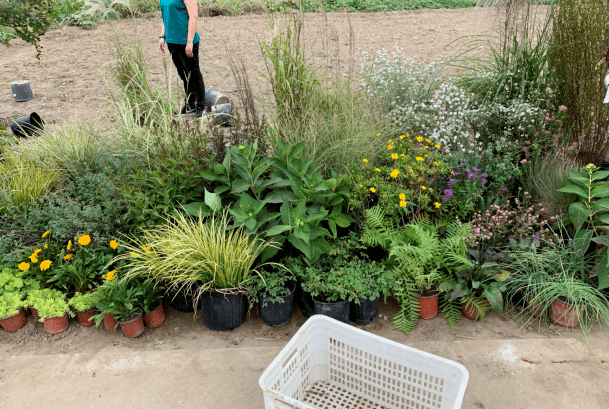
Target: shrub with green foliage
(27,20)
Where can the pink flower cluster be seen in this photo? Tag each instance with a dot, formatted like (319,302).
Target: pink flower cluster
(518,220)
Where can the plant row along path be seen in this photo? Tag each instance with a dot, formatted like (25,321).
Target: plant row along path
(68,83)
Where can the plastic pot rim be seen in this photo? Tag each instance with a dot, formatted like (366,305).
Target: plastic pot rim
(129,321)
(264,296)
(11,316)
(316,299)
(437,293)
(56,316)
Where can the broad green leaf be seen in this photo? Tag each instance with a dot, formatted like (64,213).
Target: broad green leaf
(604,240)
(251,224)
(602,218)
(578,214)
(603,270)
(494,298)
(574,189)
(581,241)
(604,203)
(240,186)
(333,229)
(342,220)
(280,228)
(213,201)
(196,208)
(600,175)
(601,191)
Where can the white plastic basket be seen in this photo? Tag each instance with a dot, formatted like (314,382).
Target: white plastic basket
(331,365)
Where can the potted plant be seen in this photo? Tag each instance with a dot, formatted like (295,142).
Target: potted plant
(152,294)
(12,317)
(120,299)
(53,311)
(36,297)
(274,289)
(371,280)
(302,298)
(478,285)
(84,305)
(558,282)
(205,252)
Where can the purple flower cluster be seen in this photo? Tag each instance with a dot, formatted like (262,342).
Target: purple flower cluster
(470,185)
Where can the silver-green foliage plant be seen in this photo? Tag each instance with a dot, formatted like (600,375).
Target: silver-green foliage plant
(10,304)
(422,255)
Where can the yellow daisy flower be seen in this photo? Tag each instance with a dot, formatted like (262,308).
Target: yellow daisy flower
(402,196)
(403,203)
(419,158)
(394,156)
(437,204)
(394,173)
(373,190)
(113,244)
(365,160)
(46,233)
(45,265)
(84,240)
(423,187)
(110,275)
(24,266)
(402,137)
(69,246)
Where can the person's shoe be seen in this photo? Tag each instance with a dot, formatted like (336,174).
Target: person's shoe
(186,110)
(200,113)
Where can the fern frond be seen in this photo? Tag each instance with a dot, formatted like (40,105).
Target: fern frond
(480,306)
(452,311)
(378,230)
(406,319)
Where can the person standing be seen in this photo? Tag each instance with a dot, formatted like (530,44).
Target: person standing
(180,34)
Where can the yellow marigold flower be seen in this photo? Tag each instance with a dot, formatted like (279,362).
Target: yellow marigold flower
(378,134)
(33,258)
(402,155)
(419,139)
(402,196)
(377,169)
(423,187)
(437,204)
(419,179)
(390,147)
(410,140)
(435,163)
(402,137)
(110,275)
(361,185)
(426,155)
(452,172)
(113,244)
(46,233)
(394,156)
(84,240)
(69,245)
(427,140)
(419,158)
(45,265)
(390,140)
(24,266)
(426,147)
(365,160)
(46,246)
(394,173)
(68,257)
(403,203)
(437,146)
(373,190)
(362,167)
(409,170)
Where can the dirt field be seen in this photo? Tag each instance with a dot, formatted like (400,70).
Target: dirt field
(183,364)
(68,83)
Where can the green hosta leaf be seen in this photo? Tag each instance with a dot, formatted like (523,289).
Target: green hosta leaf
(603,174)
(578,214)
(196,208)
(280,228)
(601,191)
(494,298)
(576,190)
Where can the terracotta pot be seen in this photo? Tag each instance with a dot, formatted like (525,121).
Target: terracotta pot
(56,325)
(134,327)
(109,322)
(34,312)
(156,318)
(534,307)
(468,310)
(565,315)
(14,323)
(429,306)
(83,317)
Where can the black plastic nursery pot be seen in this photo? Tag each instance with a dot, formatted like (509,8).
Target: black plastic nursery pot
(181,299)
(338,310)
(277,314)
(223,310)
(305,300)
(365,312)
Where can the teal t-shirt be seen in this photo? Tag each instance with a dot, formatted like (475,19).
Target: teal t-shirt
(175,20)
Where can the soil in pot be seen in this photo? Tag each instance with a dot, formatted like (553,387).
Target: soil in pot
(338,310)
(134,327)
(181,299)
(305,300)
(223,310)
(109,322)
(56,325)
(469,311)
(156,318)
(429,304)
(365,312)
(564,314)
(14,323)
(83,317)
(277,314)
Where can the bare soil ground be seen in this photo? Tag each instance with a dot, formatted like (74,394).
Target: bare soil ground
(184,364)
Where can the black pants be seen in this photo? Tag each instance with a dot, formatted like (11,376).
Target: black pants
(190,73)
